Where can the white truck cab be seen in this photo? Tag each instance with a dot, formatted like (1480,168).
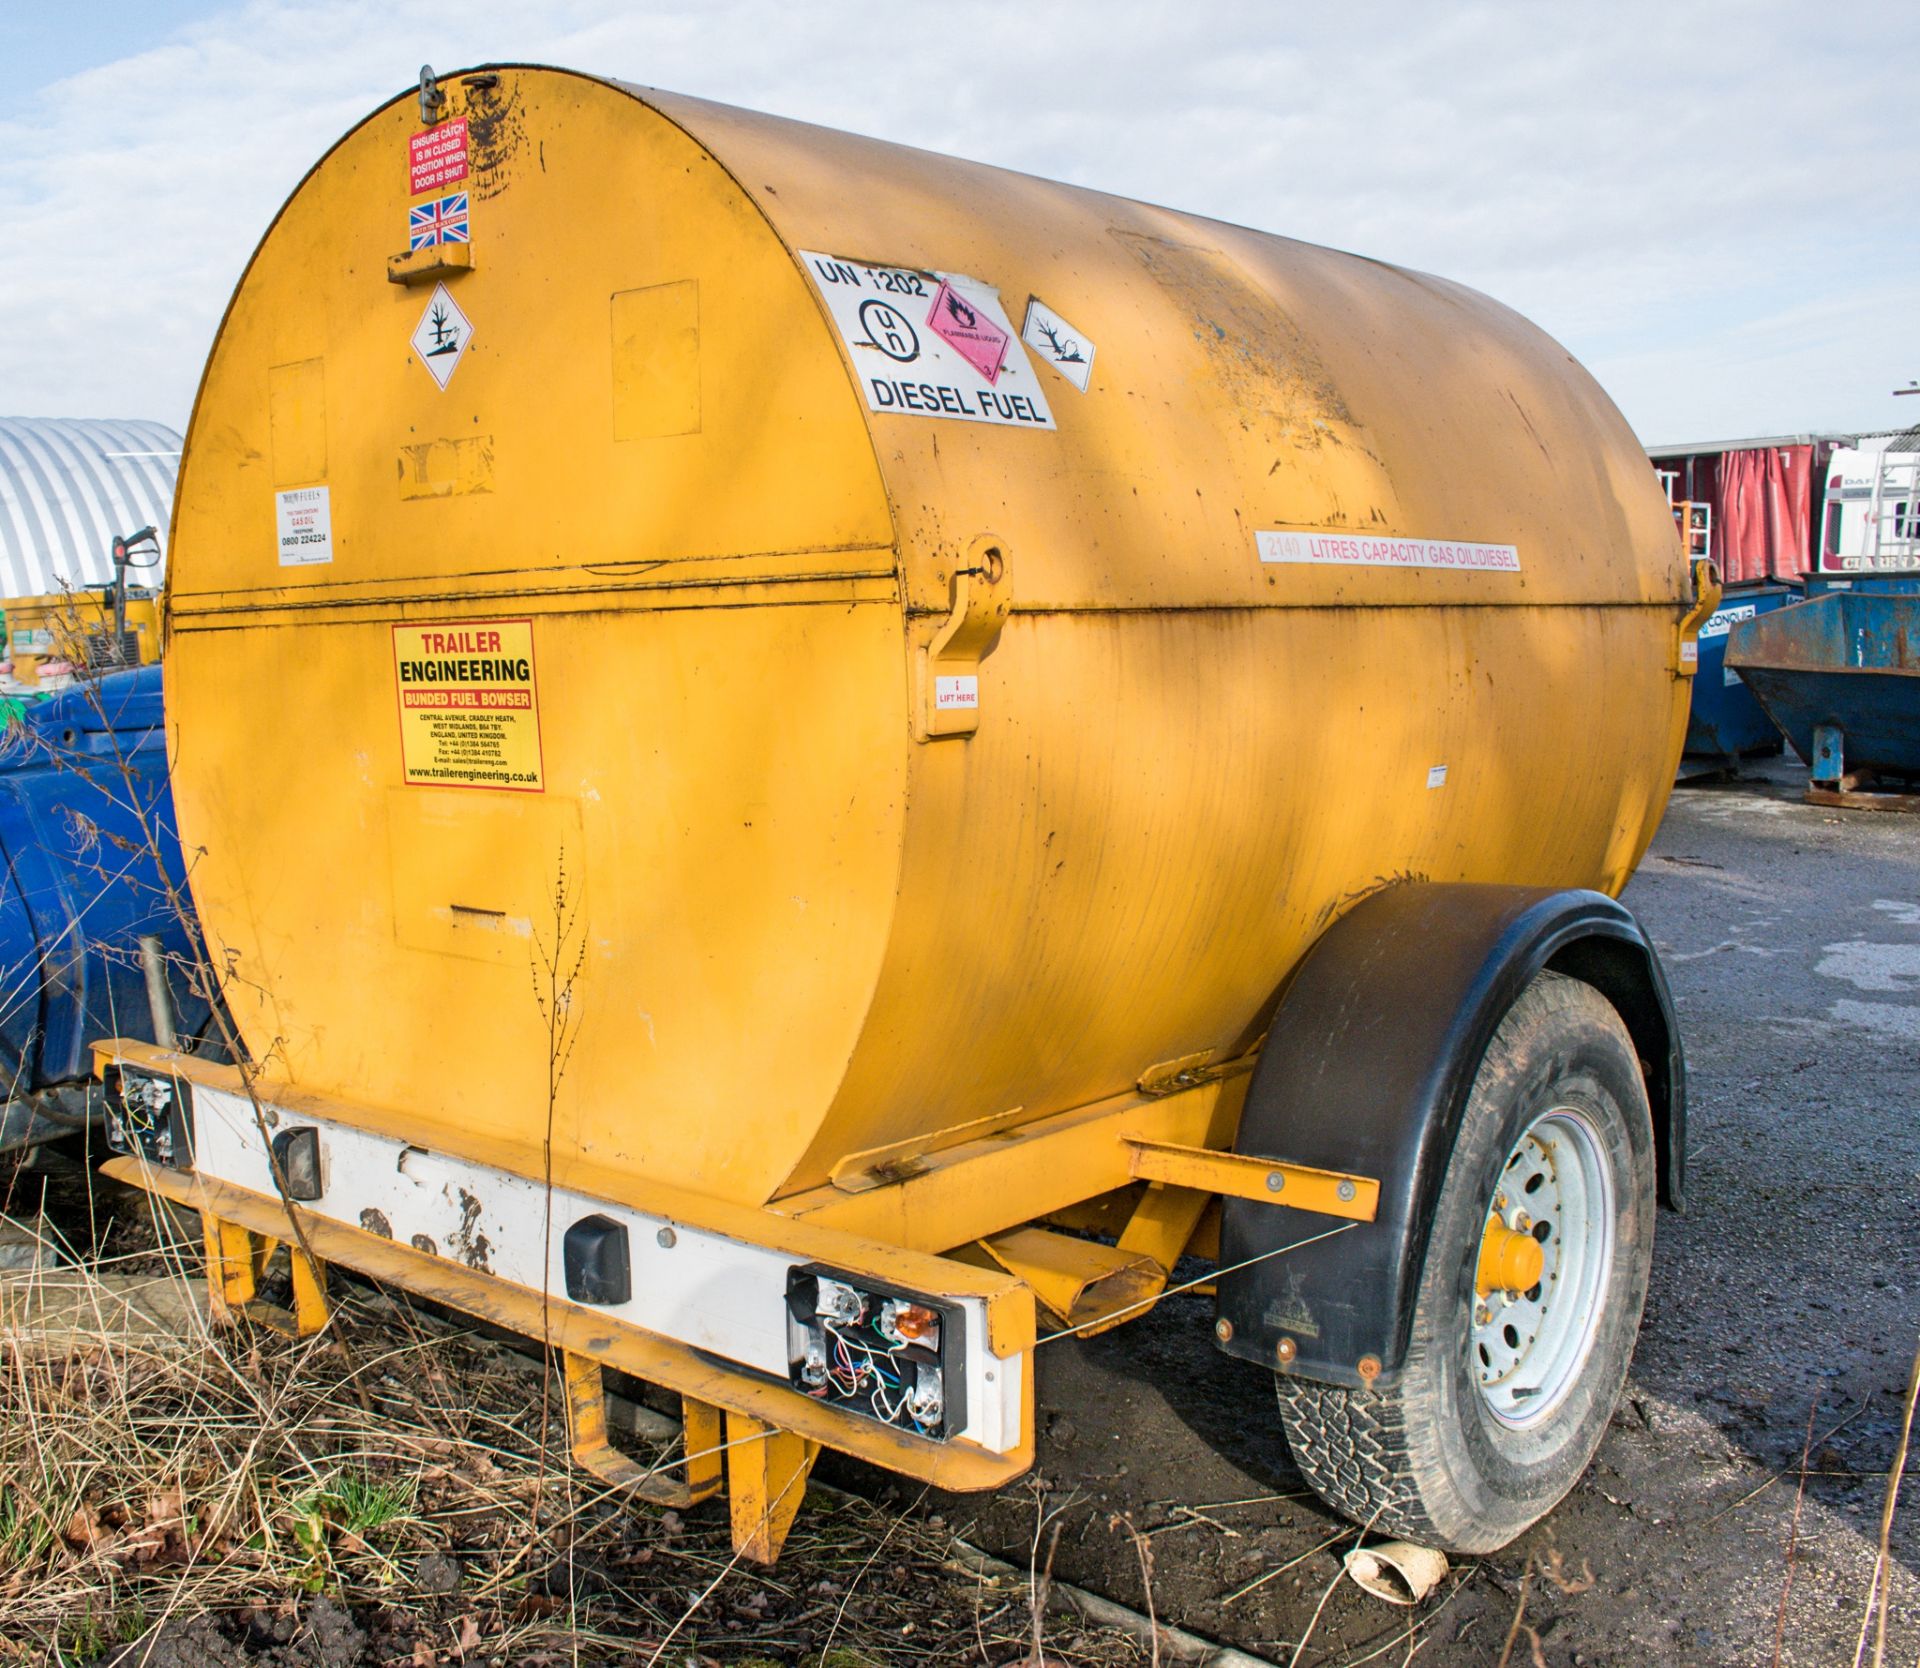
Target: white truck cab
(1872,519)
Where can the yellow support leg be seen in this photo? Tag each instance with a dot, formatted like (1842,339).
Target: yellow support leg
(311,1310)
(767,1480)
(237,1259)
(233,1267)
(595,1453)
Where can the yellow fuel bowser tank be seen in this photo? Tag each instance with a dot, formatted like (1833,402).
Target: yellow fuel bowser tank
(925,652)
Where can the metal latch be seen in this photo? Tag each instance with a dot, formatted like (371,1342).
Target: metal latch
(1706,598)
(947,670)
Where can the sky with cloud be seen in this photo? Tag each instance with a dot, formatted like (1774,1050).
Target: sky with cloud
(1711,203)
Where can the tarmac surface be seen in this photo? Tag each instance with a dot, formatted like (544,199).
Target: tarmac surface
(1783,1316)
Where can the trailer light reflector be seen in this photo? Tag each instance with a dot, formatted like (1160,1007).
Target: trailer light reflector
(296,1155)
(599,1267)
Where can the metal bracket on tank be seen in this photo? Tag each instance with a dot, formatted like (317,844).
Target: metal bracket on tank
(947,670)
(1706,598)
(433,102)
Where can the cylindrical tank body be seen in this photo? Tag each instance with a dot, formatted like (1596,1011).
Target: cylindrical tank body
(597,556)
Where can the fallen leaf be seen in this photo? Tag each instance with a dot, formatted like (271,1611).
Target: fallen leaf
(466,1636)
(84,1528)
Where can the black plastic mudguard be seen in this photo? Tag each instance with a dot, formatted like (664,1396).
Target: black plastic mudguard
(1367,1069)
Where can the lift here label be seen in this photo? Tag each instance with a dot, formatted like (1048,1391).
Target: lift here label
(930,344)
(1363,550)
(469,713)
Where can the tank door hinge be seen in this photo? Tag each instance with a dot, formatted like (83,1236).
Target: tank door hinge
(947,670)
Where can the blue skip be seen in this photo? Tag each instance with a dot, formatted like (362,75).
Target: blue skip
(1840,675)
(86,823)
(1725,723)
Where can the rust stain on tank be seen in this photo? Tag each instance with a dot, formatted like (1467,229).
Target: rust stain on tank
(496,134)
(424,1242)
(375,1222)
(466,1241)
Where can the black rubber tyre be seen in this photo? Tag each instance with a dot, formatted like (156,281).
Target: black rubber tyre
(1428,1459)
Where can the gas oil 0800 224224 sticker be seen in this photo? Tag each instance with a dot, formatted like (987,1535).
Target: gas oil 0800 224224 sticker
(930,344)
(469,709)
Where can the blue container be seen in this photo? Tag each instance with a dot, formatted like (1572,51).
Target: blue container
(1875,584)
(1725,722)
(1841,676)
(80,888)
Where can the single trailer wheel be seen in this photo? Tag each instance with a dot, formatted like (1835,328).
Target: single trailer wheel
(1530,1298)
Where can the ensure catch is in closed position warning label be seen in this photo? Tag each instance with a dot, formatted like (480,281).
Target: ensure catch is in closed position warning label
(469,712)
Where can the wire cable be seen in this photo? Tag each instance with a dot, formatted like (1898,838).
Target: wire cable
(1173,1291)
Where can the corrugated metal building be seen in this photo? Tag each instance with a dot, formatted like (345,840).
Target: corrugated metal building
(67,486)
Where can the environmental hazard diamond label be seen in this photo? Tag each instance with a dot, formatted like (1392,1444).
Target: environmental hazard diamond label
(929,344)
(469,710)
(1067,350)
(440,338)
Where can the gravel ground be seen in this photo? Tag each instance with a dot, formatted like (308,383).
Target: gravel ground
(1790,1290)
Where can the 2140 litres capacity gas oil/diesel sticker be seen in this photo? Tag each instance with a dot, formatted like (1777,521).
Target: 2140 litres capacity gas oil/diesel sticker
(469,711)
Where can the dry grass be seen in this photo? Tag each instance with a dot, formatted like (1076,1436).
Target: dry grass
(229,1493)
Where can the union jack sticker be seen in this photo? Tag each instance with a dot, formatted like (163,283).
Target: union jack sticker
(442,221)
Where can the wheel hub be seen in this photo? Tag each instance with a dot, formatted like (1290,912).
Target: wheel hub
(1511,1260)
(1545,1254)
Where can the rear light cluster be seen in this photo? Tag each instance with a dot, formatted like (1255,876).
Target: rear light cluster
(151,1116)
(889,1355)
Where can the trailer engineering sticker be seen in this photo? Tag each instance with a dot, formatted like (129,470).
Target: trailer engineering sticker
(469,712)
(304,521)
(1363,550)
(930,344)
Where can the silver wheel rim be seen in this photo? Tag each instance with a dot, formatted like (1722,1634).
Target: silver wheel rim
(1527,1349)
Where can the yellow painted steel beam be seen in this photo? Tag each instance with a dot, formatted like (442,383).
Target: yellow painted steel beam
(1003,1180)
(1080,1280)
(1164,1222)
(1327,1192)
(955,1464)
